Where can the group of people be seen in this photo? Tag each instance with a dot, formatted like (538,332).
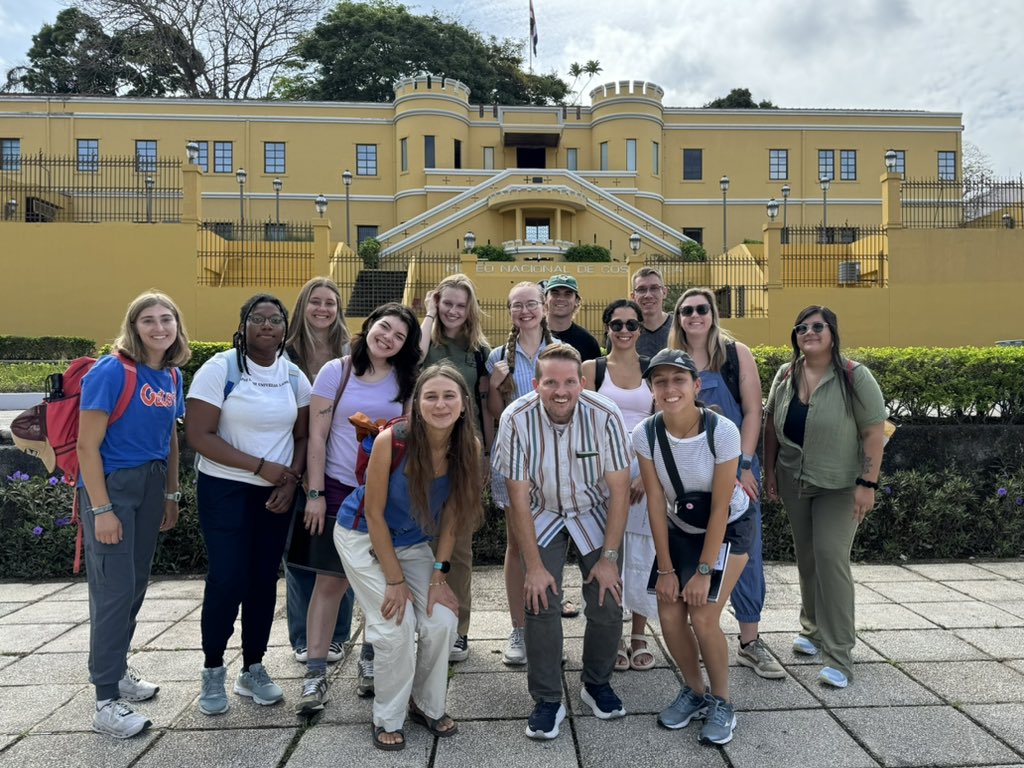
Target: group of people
(644,458)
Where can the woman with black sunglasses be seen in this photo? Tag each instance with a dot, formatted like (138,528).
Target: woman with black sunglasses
(823,441)
(620,377)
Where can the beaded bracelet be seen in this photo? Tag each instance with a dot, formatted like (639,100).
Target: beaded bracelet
(438,583)
(669,572)
(260,465)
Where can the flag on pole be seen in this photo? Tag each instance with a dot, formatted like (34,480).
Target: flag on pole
(533,29)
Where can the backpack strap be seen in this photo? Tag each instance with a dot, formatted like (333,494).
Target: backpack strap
(710,425)
(600,366)
(645,363)
(131,378)
(731,371)
(234,371)
(657,426)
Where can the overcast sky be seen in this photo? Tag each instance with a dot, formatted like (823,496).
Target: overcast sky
(940,55)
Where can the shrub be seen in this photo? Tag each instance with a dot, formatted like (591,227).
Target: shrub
(44,347)
(492,253)
(588,253)
(369,252)
(691,250)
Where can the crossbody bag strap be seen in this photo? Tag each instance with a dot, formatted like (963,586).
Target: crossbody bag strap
(667,457)
(346,364)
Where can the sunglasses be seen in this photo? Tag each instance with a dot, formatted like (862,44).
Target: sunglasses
(700,309)
(629,325)
(803,328)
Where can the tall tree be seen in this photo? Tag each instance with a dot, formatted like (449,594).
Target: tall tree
(739,98)
(359,49)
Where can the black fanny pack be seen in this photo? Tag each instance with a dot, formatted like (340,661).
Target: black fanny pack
(692,507)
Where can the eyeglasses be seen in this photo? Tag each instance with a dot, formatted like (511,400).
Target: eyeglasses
(700,309)
(643,290)
(259,320)
(630,325)
(803,328)
(529,306)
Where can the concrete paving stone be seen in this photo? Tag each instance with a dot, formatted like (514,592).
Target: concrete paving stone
(85,749)
(921,645)
(167,610)
(866,594)
(280,663)
(488,600)
(23,706)
(5,739)
(1011,569)
(49,612)
(869,573)
(974,682)
(176,589)
(6,659)
(1002,643)
(242,712)
(779,593)
(77,639)
(6,608)
(76,590)
(890,616)
(951,571)
(964,613)
(915,591)
(781,572)
(333,745)
(1014,607)
(784,619)
(933,736)
(482,743)
(25,638)
(874,685)
(1000,589)
(488,579)
(60,668)
(22,592)
(185,635)
(642,693)
(637,740)
(808,737)
(485,656)
(781,645)
(162,710)
(573,647)
(1004,720)
(345,705)
(176,665)
(750,692)
(472,696)
(233,749)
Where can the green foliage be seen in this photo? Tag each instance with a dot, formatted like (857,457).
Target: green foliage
(693,251)
(739,98)
(45,347)
(369,252)
(588,253)
(37,540)
(492,253)
(27,377)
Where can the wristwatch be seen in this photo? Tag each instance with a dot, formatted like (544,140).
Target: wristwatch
(313,493)
(611,554)
(746,462)
(444,566)
(703,569)
(175,497)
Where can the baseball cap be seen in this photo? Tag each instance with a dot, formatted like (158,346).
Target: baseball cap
(674,357)
(562,281)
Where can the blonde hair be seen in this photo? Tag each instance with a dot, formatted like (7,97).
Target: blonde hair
(472,329)
(718,337)
(301,341)
(129,343)
(507,388)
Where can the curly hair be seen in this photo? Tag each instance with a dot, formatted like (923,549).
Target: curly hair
(238,340)
(718,337)
(406,361)
(301,342)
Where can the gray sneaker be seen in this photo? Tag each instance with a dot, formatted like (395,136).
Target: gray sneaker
(720,721)
(365,686)
(515,648)
(757,656)
(213,700)
(133,688)
(257,685)
(314,694)
(117,719)
(688,705)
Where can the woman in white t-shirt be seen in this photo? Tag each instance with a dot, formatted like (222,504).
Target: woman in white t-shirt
(689,447)
(246,416)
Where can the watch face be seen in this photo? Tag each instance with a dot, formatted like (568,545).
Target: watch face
(745,464)
(313,494)
(703,569)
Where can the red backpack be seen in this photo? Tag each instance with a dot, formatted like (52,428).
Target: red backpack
(366,433)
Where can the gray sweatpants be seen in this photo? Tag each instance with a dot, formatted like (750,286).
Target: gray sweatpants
(118,574)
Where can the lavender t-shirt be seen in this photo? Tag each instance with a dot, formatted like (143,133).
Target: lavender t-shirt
(376,400)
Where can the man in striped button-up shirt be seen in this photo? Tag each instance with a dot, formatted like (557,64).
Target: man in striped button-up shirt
(565,453)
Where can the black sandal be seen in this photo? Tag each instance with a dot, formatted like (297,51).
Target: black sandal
(384,745)
(433,724)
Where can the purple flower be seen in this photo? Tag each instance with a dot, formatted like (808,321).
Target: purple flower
(1019,501)
(1001,493)
(887,490)
(18,475)
(53,481)
(37,531)
(62,521)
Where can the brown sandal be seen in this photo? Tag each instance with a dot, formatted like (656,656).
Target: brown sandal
(433,724)
(387,746)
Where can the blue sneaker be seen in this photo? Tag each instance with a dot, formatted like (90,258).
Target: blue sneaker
(213,700)
(257,685)
(688,705)
(543,723)
(720,721)
(832,676)
(804,647)
(602,700)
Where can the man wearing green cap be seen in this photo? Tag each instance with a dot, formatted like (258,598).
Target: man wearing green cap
(562,301)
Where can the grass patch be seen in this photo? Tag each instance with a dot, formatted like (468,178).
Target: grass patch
(27,377)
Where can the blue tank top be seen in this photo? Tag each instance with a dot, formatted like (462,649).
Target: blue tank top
(714,391)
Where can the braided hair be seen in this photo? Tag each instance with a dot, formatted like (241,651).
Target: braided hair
(238,340)
(507,388)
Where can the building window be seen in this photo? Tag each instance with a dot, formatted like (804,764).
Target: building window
(694,233)
(489,158)
(273,157)
(457,154)
(203,158)
(778,163)
(901,161)
(145,156)
(538,230)
(88,155)
(572,159)
(365,231)
(10,154)
(366,159)
(403,147)
(428,152)
(223,162)
(947,166)
(826,164)
(848,164)
(693,164)
(604,155)
(655,158)
(630,154)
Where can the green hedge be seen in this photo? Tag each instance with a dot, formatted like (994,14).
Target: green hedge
(44,347)
(492,253)
(588,253)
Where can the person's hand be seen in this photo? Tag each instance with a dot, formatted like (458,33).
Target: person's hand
(863,502)
(535,588)
(170,515)
(108,528)
(606,573)
(636,490)
(499,374)
(749,483)
(316,513)
(440,593)
(771,488)
(277,474)
(696,590)
(667,587)
(395,598)
(281,498)
(431,302)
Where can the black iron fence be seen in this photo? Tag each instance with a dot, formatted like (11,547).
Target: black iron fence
(738,281)
(91,188)
(980,203)
(255,253)
(844,256)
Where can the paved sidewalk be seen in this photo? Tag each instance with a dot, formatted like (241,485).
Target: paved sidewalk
(940,681)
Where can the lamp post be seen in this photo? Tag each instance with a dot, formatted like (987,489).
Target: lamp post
(346,178)
(1008,221)
(825,184)
(773,209)
(321,205)
(634,243)
(192,148)
(890,160)
(10,209)
(241,176)
(724,184)
(277,201)
(150,182)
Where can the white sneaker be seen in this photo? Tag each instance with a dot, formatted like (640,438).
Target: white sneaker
(301,654)
(133,688)
(515,648)
(335,653)
(117,719)
(460,649)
